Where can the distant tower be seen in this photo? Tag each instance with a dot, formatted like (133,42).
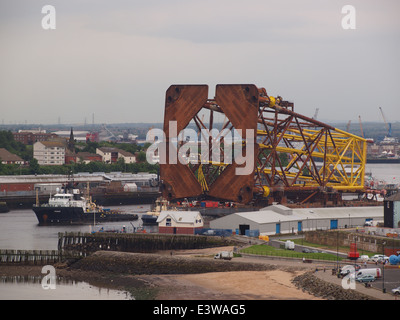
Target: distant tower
(71,141)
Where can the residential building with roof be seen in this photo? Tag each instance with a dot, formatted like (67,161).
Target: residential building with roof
(30,138)
(87,157)
(6,157)
(49,152)
(179,222)
(111,155)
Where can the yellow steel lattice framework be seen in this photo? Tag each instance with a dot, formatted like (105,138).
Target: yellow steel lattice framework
(343,160)
(319,157)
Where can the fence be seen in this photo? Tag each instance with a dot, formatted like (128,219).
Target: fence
(214,232)
(290,254)
(36,257)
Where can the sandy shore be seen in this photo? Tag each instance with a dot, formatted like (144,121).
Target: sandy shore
(275,282)
(240,285)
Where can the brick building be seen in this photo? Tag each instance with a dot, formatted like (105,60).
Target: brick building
(29,138)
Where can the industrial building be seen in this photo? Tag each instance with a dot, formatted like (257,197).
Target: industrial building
(276,219)
(392,211)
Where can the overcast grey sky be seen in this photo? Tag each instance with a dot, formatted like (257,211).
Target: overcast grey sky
(117,58)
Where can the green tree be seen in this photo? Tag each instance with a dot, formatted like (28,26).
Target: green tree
(34,166)
(141,157)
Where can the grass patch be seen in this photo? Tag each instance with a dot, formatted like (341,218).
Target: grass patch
(262,249)
(302,242)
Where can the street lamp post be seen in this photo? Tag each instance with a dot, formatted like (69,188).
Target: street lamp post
(337,250)
(383,268)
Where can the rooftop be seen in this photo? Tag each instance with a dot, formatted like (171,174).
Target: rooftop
(179,216)
(6,155)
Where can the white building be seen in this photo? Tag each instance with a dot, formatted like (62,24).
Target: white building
(49,152)
(277,219)
(127,156)
(179,222)
(111,155)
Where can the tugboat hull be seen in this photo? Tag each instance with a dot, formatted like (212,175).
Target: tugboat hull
(149,219)
(76,215)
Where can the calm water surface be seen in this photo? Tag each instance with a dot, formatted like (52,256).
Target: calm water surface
(19,230)
(72,291)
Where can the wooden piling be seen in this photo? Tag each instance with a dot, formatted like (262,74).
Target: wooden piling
(35,257)
(86,243)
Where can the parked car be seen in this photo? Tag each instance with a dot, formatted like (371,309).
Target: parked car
(306,250)
(379,258)
(365,278)
(349,268)
(364,258)
(396,291)
(383,259)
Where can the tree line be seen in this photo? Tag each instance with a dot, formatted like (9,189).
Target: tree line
(26,153)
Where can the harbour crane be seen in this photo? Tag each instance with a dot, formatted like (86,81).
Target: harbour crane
(361,128)
(388,125)
(316,114)
(348,126)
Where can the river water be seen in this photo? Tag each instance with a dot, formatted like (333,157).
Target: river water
(19,230)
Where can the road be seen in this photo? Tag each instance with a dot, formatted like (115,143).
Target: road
(389,281)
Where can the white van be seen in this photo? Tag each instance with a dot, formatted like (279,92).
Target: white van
(376,272)
(289,245)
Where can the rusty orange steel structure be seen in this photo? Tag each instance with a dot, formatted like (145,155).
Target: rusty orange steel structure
(294,158)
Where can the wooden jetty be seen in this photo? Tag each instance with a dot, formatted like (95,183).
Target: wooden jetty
(73,245)
(84,243)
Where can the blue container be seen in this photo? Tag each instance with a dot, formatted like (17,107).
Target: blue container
(254,233)
(393,260)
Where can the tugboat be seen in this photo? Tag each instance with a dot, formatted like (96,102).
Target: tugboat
(69,206)
(150,218)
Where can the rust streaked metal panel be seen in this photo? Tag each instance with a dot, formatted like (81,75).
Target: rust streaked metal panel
(182,103)
(232,187)
(240,105)
(178,181)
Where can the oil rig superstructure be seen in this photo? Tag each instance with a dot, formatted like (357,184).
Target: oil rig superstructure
(292,158)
